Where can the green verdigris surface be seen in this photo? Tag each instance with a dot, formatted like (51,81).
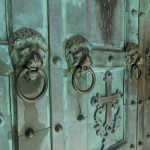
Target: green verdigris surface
(115,114)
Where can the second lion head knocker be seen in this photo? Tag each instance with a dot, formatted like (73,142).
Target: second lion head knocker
(79,60)
(134,61)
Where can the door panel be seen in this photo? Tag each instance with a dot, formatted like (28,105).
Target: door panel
(29,112)
(30,14)
(5,114)
(31,115)
(105,21)
(132,29)
(5,99)
(132,21)
(6,126)
(56,71)
(77,18)
(98,117)
(100,33)
(143,113)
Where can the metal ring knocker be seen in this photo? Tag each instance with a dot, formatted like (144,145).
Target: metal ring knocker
(74,75)
(79,59)
(29,51)
(18,88)
(136,72)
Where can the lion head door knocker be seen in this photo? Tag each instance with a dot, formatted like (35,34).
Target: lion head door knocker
(79,60)
(134,61)
(28,50)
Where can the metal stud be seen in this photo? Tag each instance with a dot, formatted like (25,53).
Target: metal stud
(132,146)
(111,58)
(133,102)
(142,14)
(148,136)
(58,128)
(57,60)
(29,133)
(140,102)
(134,12)
(140,143)
(80,117)
(1,120)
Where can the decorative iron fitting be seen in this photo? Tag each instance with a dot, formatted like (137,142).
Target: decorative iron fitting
(134,61)
(79,60)
(28,50)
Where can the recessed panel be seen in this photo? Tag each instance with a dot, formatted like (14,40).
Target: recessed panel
(105,22)
(106,111)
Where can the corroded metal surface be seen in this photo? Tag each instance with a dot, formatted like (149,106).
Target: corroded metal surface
(67,116)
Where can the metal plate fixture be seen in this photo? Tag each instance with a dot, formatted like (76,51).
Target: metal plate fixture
(28,51)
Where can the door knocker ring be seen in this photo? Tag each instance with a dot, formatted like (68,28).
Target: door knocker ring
(78,54)
(74,75)
(18,88)
(136,72)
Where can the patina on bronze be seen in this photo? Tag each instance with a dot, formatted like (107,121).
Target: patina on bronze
(29,53)
(79,60)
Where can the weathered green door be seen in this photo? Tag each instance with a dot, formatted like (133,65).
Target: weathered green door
(74,74)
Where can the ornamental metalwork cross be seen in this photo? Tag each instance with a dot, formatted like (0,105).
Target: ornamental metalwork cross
(110,101)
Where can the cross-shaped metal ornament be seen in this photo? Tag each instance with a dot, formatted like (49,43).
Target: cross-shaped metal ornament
(105,104)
